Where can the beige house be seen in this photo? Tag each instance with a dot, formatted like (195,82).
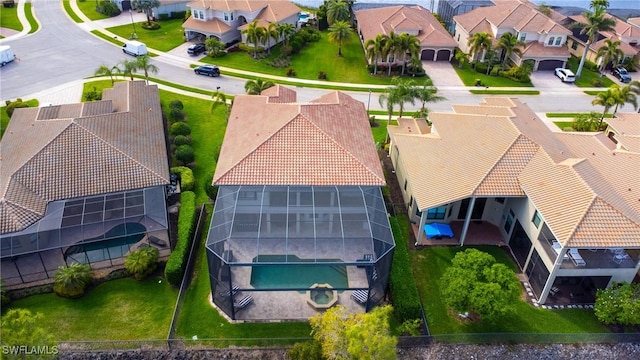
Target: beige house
(436,43)
(545,39)
(566,204)
(88,186)
(225,19)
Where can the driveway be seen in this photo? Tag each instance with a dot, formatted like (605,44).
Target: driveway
(442,74)
(547,81)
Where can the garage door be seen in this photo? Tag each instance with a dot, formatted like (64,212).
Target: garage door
(443,55)
(126,5)
(549,64)
(427,54)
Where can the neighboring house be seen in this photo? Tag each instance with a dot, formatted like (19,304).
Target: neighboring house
(225,19)
(435,42)
(448,9)
(299,206)
(87,186)
(544,38)
(166,6)
(565,203)
(627,33)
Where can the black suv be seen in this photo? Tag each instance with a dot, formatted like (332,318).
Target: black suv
(196,49)
(209,70)
(621,73)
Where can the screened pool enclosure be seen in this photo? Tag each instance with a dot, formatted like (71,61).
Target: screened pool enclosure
(98,230)
(269,245)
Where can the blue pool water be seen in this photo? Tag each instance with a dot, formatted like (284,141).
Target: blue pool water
(298,276)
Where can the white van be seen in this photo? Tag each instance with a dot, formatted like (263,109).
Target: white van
(6,55)
(135,48)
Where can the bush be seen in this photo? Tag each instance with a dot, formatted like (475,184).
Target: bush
(291,72)
(280,62)
(108,8)
(322,75)
(185,154)
(179,128)
(174,270)
(596,82)
(481,67)
(308,350)
(182,140)
(187,181)
(163,17)
(178,14)
(142,262)
(212,191)
(402,284)
(619,304)
(495,71)
(12,105)
(71,281)
(150,26)
(92,95)
(176,115)
(176,104)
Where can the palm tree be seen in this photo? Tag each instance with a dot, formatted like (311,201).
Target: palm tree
(461,57)
(340,32)
(220,99)
(142,63)
(128,68)
(337,10)
(391,48)
(607,99)
(254,35)
(626,95)
(479,42)
(509,44)
(214,46)
(427,93)
(142,262)
(402,91)
(271,31)
(609,52)
(407,44)
(255,87)
(374,49)
(285,32)
(104,70)
(71,281)
(146,6)
(596,22)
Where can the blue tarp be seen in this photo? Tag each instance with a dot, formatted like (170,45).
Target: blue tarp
(437,230)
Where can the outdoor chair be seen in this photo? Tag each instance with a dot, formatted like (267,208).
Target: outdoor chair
(227,293)
(360,296)
(244,302)
(619,258)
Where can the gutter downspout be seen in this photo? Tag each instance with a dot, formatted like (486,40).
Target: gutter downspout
(467,219)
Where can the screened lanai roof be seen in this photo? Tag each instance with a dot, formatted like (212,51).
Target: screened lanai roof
(276,224)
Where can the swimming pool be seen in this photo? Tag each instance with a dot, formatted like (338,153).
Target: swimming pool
(296,276)
(112,248)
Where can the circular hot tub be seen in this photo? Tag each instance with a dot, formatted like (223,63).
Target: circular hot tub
(321,296)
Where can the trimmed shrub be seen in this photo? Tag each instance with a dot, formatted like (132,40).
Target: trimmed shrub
(212,191)
(92,95)
(596,82)
(176,114)
(185,154)
(176,104)
(142,262)
(182,140)
(187,181)
(174,270)
(291,72)
(150,26)
(322,75)
(308,350)
(163,17)
(178,14)
(404,291)
(108,8)
(179,128)
(71,281)
(12,105)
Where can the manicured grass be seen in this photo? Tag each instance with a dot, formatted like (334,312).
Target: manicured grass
(32,21)
(123,309)
(88,8)
(506,92)
(380,131)
(469,76)
(4,117)
(317,56)
(563,124)
(70,12)
(198,317)
(9,18)
(169,36)
(429,265)
(570,115)
(106,37)
(587,76)
(593,92)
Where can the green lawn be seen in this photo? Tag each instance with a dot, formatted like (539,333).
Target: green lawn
(169,36)
(469,77)
(32,21)
(587,76)
(88,8)
(198,317)
(505,92)
(316,57)
(67,8)
(4,117)
(123,309)
(9,18)
(570,115)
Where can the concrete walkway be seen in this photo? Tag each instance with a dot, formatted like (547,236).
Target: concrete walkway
(10,34)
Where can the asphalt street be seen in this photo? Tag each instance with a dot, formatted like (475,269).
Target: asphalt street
(62,51)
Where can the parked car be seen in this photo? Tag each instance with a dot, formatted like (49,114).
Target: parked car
(209,70)
(621,73)
(565,75)
(135,48)
(196,49)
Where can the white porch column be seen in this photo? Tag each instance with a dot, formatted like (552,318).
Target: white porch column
(435,54)
(423,220)
(467,219)
(552,277)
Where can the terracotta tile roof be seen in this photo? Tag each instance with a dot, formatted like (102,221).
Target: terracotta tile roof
(81,156)
(271,11)
(578,181)
(534,49)
(280,94)
(626,48)
(214,26)
(324,142)
(482,109)
(399,19)
(627,129)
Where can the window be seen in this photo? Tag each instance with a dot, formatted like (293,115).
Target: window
(411,202)
(437,213)
(558,41)
(231,16)
(405,185)
(418,212)
(537,219)
(574,45)
(247,195)
(551,39)
(226,17)
(523,36)
(509,222)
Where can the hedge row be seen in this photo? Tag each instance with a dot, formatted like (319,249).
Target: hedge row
(187,181)
(174,269)
(404,291)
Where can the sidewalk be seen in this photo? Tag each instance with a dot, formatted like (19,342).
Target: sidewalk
(10,34)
